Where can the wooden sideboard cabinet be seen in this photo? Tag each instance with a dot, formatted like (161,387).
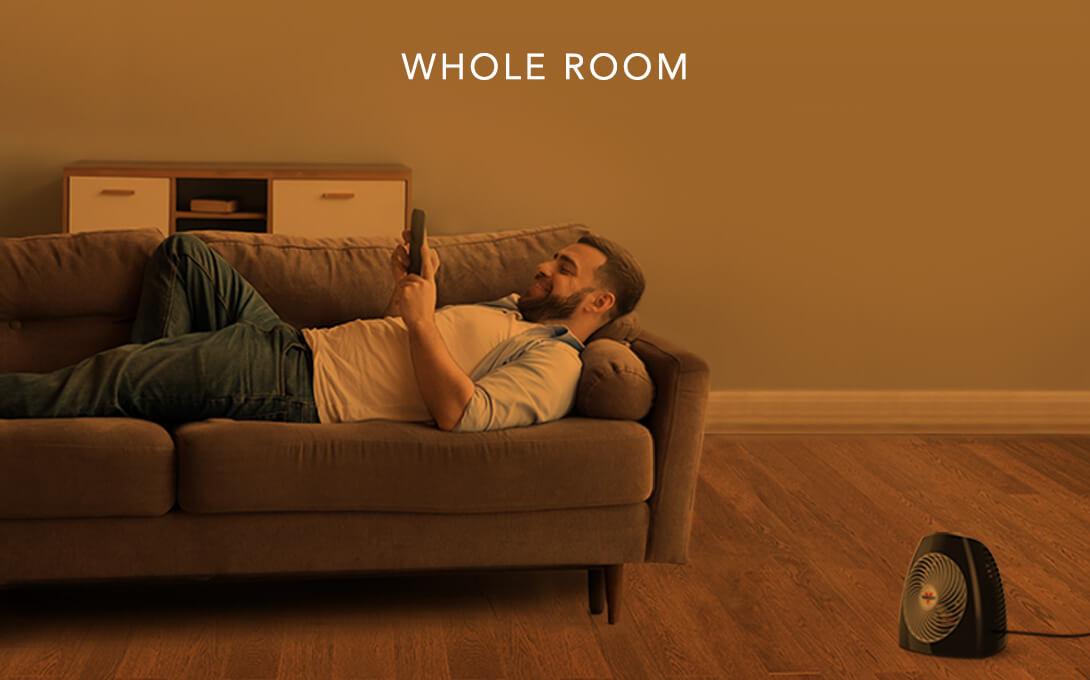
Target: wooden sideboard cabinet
(301,199)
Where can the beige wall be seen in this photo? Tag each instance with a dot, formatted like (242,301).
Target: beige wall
(880,195)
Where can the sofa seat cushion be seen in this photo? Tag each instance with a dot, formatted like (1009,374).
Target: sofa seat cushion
(226,465)
(85,467)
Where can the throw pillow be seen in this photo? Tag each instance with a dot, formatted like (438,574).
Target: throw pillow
(614,383)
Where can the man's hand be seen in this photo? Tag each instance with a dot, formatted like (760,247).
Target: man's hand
(414,296)
(399,269)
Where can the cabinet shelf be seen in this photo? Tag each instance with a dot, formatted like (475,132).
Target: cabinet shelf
(189,214)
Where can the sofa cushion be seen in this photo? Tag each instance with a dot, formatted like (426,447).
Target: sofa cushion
(325,281)
(42,345)
(85,467)
(242,466)
(304,278)
(64,297)
(614,383)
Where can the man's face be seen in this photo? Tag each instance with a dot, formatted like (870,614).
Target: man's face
(561,284)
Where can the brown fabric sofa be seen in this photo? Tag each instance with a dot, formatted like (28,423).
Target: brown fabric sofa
(115,498)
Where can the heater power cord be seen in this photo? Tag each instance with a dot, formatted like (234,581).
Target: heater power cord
(1042,634)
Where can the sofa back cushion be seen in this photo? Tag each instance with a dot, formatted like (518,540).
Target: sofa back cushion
(64,297)
(316,281)
(325,281)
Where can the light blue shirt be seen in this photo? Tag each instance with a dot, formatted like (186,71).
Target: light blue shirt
(527,379)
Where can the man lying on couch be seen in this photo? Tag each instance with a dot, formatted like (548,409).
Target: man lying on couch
(206,344)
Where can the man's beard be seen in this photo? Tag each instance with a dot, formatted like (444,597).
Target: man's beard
(550,307)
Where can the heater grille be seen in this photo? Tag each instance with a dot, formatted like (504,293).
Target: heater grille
(994,582)
(935,597)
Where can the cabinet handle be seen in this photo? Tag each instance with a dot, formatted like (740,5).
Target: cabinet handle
(118,192)
(338,195)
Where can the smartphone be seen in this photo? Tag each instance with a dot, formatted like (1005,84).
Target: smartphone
(416,242)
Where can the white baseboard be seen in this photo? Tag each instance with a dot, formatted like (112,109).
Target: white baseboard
(899,411)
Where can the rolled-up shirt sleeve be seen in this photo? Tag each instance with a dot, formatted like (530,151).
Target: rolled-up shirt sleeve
(537,387)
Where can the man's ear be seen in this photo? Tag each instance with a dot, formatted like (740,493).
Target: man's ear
(603,301)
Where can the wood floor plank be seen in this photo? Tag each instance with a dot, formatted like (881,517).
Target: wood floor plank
(728,652)
(545,634)
(385,626)
(140,656)
(682,649)
(97,656)
(307,651)
(52,651)
(471,632)
(835,582)
(362,645)
(205,650)
(749,587)
(805,579)
(623,645)
(411,613)
(255,649)
(40,661)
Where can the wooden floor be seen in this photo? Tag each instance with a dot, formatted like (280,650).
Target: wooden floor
(798,558)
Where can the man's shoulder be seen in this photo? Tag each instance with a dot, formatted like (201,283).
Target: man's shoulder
(552,348)
(556,336)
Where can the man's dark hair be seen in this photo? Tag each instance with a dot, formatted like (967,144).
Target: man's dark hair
(620,274)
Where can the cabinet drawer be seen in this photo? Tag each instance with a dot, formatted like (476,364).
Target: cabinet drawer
(320,207)
(98,203)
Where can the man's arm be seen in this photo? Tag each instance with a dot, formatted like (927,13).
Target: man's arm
(537,387)
(445,387)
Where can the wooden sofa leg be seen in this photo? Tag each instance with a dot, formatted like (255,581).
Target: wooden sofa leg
(614,590)
(596,583)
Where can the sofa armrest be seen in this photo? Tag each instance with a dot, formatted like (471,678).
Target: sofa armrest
(676,421)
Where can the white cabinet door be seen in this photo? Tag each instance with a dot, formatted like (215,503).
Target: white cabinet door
(101,203)
(323,207)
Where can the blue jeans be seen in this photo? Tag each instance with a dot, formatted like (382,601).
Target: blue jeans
(205,344)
